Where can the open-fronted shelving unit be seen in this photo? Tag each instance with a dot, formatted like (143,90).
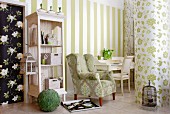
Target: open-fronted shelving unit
(46,43)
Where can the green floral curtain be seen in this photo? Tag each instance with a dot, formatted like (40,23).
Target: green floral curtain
(152,48)
(11,40)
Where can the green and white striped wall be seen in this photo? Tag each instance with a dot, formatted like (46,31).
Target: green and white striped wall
(90,25)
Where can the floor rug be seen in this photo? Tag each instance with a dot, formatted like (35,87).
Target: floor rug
(79,105)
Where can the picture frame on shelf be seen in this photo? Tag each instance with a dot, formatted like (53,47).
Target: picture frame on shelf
(33,35)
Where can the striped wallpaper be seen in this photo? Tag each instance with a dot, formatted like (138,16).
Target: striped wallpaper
(89,26)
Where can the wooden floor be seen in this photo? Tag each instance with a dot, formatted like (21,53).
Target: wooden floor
(122,105)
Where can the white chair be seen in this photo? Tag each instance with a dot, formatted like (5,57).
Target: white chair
(133,63)
(125,73)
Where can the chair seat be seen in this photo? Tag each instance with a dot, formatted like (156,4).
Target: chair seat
(118,76)
(106,83)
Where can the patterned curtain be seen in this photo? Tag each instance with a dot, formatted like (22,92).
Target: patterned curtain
(129,27)
(152,48)
(11,49)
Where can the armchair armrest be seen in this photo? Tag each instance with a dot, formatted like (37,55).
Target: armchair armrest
(106,75)
(89,75)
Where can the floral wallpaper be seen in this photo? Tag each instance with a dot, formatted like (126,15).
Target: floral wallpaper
(129,27)
(11,40)
(152,48)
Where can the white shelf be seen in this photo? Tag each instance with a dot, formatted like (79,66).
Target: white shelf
(50,65)
(49,45)
(31,73)
(32,45)
(49,16)
(61,91)
(39,22)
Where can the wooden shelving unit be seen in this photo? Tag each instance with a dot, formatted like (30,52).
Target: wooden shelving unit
(49,24)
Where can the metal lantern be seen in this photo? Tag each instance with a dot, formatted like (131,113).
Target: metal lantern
(28,64)
(149,96)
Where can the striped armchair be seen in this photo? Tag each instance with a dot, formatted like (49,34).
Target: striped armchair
(87,81)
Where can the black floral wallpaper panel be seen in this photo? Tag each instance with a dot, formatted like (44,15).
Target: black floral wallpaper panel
(11,49)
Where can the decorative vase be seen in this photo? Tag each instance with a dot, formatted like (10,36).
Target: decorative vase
(99,57)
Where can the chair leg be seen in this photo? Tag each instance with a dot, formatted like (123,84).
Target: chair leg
(75,96)
(121,86)
(100,101)
(113,94)
(129,84)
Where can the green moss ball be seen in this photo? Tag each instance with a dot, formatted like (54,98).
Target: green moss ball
(48,100)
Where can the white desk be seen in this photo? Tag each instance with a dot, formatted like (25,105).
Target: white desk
(108,65)
(115,66)
(112,65)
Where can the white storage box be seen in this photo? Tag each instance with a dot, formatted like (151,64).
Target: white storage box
(51,58)
(59,50)
(52,84)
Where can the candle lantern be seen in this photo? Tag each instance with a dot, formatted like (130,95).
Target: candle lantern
(149,96)
(28,64)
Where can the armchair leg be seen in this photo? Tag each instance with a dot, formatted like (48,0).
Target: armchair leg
(75,96)
(121,86)
(113,94)
(129,85)
(100,101)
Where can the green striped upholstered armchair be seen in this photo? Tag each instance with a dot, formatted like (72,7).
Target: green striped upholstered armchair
(86,80)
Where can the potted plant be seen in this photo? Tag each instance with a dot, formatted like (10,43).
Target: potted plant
(107,54)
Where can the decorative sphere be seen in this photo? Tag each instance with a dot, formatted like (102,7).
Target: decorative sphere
(48,100)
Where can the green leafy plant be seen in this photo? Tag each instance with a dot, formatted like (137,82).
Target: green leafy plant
(48,100)
(107,54)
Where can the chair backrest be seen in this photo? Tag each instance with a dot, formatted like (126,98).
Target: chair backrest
(77,64)
(126,65)
(90,61)
(81,63)
(133,63)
